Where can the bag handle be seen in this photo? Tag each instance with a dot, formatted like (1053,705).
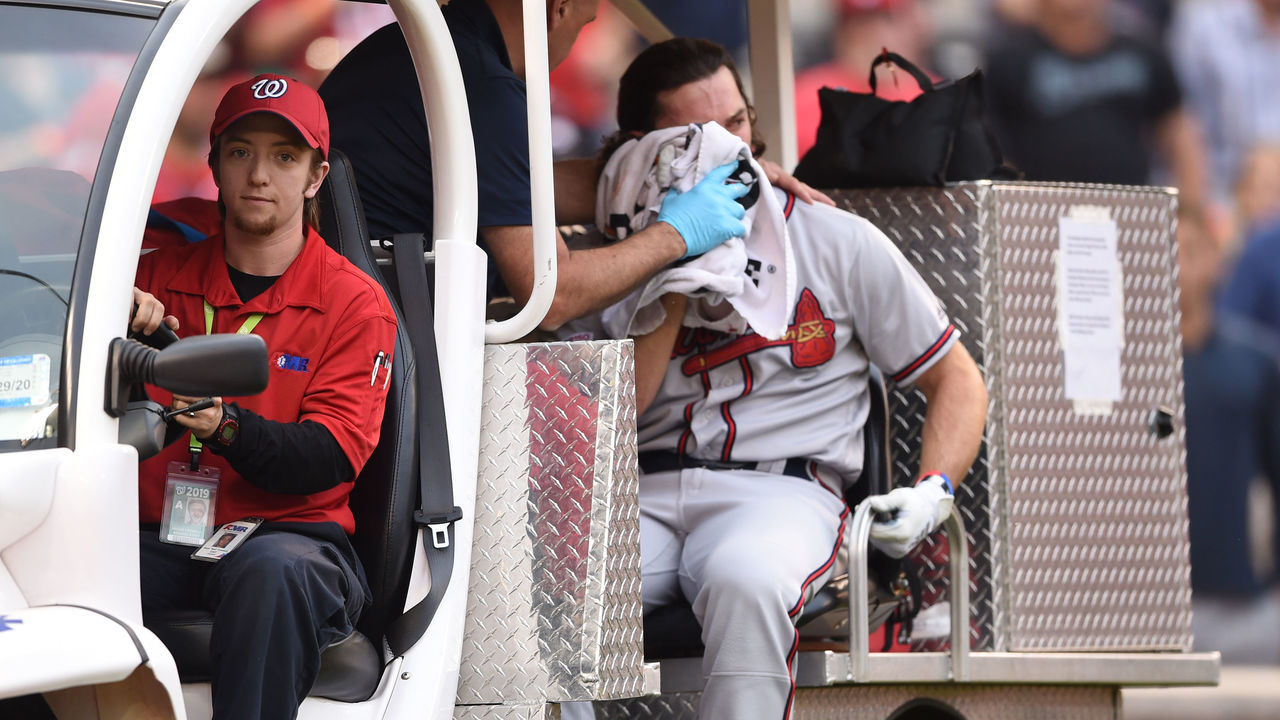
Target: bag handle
(886,57)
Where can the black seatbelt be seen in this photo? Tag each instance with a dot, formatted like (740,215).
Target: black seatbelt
(436,512)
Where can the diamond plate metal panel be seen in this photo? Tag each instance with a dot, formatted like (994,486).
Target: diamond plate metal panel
(585,518)
(1076,523)
(555,610)
(500,657)
(1097,533)
(876,702)
(945,234)
(669,706)
(524,711)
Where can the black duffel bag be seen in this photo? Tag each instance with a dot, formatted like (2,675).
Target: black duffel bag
(939,137)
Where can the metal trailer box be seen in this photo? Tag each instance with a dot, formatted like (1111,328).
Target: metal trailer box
(1076,512)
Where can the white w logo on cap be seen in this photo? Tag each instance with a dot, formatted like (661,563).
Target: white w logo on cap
(273,88)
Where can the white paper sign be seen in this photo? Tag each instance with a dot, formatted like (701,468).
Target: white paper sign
(1089,304)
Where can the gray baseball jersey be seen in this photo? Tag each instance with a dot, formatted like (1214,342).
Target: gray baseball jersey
(744,398)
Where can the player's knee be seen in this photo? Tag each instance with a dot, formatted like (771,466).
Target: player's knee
(759,582)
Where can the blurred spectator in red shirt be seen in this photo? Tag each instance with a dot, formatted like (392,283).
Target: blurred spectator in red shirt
(864,29)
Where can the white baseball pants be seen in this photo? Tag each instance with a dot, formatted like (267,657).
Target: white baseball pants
(746,549)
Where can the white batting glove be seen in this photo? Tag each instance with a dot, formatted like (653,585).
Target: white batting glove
(916,512)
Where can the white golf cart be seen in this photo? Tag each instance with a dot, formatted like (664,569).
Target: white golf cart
(506,479)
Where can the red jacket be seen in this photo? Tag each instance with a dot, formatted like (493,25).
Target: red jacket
(178,222)
(324,322)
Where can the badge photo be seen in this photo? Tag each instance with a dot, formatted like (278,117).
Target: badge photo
(190,502)
(227,538)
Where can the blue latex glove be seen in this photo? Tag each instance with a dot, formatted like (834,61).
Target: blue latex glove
(709,213)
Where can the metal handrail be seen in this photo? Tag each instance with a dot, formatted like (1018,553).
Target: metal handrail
(541,182)
(860,632)
(458,321)
(453,163)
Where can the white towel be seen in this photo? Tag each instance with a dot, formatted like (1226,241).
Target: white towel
(756,276)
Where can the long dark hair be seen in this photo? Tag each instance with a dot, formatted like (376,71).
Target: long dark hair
(666,66)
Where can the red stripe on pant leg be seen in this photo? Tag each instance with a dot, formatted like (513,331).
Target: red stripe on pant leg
(795,643)
(844,516)
(813,473)
(791,678)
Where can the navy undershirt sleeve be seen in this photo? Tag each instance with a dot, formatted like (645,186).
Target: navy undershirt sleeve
(289,458)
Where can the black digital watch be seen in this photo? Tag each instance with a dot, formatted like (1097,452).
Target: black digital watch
(229,427)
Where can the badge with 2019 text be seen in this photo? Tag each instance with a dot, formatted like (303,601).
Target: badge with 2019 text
(190,498)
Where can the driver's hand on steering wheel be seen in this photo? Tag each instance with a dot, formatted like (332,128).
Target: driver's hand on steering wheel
(202,423)
(149,313)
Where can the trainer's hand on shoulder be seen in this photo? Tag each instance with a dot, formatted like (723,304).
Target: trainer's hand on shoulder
(779,178)
(708,213)
(916,512)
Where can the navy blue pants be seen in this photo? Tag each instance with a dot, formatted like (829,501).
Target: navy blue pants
(277,602)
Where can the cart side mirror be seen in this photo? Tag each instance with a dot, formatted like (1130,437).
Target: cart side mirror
(143,428)
(199,365)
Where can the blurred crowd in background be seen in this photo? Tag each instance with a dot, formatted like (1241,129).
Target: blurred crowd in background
(1169,92)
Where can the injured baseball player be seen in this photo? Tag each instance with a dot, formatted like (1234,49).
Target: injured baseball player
(750,430)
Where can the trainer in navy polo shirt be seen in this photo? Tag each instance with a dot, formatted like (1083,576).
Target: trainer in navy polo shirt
(376,118)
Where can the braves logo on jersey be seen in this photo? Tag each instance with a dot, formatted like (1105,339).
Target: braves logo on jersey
(811,337)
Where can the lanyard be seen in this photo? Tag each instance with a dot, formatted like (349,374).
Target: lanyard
(250,323)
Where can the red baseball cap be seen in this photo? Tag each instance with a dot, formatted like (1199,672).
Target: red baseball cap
(290,99)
